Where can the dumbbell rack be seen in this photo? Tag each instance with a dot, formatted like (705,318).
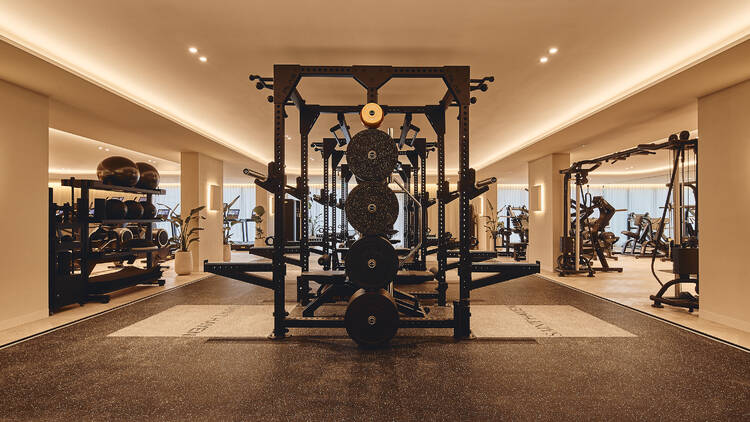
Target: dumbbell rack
(67,286)
(458,88)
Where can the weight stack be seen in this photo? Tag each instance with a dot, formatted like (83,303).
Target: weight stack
(372,316)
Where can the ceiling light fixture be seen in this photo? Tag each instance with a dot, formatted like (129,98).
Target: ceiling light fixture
(101,147)
(543,59)
(553,50)
(192,50)
(203,59)
(106,149)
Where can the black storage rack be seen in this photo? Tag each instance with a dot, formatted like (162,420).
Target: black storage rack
(68,286)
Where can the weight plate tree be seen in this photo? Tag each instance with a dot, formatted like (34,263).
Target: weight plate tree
(371,262)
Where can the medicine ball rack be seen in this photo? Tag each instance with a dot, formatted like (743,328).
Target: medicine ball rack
(284,86)
(71,260)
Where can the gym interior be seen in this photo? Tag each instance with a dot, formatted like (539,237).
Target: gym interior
(348,211)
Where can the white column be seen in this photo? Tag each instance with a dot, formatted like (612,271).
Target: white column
(723,204)
(546,224)
(24,162)
(198,173)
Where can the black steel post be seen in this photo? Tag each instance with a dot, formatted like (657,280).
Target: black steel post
(460,86)
(304,254)
(442,254)
(326,210)
(279,265)
(343,199)
(415,193)
(149,235)
(83,233)
(307,120)
(334,235)
(423,203)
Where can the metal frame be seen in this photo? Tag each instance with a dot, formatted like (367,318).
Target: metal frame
(458,87)
(580,170)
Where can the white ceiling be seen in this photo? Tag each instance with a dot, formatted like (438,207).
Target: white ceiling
(608,50)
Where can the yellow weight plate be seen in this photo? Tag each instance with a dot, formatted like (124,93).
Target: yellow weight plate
(371,115)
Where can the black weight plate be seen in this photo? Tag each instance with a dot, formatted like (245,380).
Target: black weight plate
(371,262)
(371,208)
(371,318)
(372,155)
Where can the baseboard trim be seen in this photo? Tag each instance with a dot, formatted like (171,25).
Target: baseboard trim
(725,320)
(97,314)
(23,319)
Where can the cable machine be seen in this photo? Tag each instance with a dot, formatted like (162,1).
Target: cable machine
(682,250)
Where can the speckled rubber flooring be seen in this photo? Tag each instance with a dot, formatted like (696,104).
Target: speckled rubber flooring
(663,373)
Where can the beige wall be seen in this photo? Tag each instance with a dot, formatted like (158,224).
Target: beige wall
(198,173)
(545,226)
(24,145)
(723,203)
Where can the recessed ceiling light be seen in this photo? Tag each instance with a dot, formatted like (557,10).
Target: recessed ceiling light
(106,149)
(101,147)
(543,59)
(553,50)
(203,59)
(193,50)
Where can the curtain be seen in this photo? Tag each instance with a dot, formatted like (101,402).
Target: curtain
(245,204)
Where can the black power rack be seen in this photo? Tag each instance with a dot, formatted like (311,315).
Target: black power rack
(459,86)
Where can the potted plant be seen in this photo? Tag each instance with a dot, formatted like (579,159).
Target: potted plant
(491,225)
(228,224)
(187,233)
(257,218)
(314,222)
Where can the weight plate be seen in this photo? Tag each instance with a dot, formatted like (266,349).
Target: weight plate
(161,237)
(372,155)
(371,115)
(371,208)
(371,318)
(371,262)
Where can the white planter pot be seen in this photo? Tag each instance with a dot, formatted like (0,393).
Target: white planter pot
(227,253)
(183,263)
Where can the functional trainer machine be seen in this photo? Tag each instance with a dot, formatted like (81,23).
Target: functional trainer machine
(683,251)
(370,267)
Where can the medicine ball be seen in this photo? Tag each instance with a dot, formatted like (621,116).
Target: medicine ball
(149,176)
(149,210)
(134,210)
(116,209)
(118,171)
